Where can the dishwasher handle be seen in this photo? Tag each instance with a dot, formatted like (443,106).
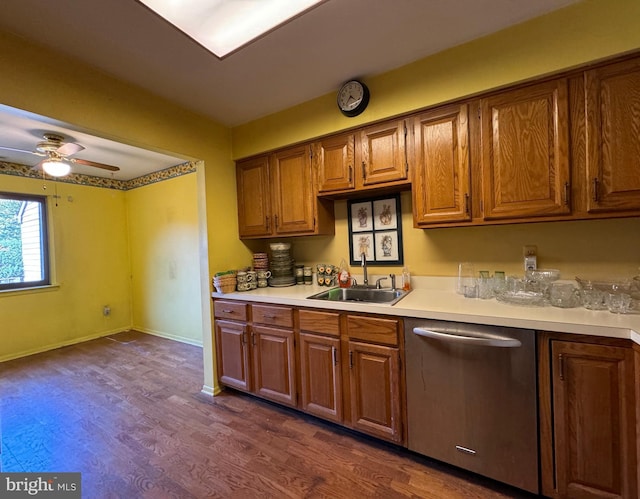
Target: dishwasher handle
(468,337)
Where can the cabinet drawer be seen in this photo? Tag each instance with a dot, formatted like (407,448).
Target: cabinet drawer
(373,329)
(225,309)
(320,322)
(273,316)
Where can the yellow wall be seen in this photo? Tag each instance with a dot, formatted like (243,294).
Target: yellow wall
(91,257)
(587,31)
(163,237)
(46,83)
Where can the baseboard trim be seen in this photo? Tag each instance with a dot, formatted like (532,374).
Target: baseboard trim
(62,344)
(168,336)
(210,391)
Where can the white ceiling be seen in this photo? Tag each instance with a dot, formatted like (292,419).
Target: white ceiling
(304,59)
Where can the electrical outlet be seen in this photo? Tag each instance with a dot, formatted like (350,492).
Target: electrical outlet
(106,311)
(530,253)
(529,250)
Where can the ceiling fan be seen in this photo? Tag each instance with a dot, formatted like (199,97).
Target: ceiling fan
(56,153)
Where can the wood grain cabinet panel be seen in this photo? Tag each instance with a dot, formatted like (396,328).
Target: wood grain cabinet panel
(274,364)
(384,153)
(593,421)
(294,195)
(525,152)
(232,354)
(277,196)
(375,390)
(334,159)
(254,197)
(441,174)
(613,137)
(321,389)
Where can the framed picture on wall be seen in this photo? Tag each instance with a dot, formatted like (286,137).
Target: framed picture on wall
(375,229)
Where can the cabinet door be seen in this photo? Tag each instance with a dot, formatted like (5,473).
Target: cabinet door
(613,137)
(375,390)
(594,423)
(232,354)
(274,364)
(293,192)
(321,389)
(525,158)
(384,153)
(442,181)
(254,198)
(334,159)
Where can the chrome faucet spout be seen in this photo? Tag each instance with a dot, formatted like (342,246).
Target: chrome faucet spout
(363,263)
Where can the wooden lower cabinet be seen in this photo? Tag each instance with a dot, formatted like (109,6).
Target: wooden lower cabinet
(232,354)
(375,390)
(344,368)
(321,381)
(588,421)
(274,366)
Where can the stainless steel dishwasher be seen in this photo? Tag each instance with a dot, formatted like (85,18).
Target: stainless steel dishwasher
(471,398)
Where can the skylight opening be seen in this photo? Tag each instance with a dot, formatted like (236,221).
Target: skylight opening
(223,26)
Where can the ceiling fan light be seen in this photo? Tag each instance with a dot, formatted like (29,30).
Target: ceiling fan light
(56,167)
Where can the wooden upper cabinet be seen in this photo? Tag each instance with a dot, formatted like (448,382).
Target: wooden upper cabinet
(384,153)
(593,421)
(525,152)
(441,175)
(613,137)
(254,197)
(334,159)
(277,196)
(293,192)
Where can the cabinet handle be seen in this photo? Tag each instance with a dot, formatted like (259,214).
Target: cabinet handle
(335,357)
(561,366)
(253,339)
(595,189)
(350,359)
(466,203)
(227,311)
(266,223)
(350,173)
(266,316)
(276,221)
(567,193)
(364,170)
(244,337)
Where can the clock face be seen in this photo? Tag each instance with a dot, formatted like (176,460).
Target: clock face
(353,98)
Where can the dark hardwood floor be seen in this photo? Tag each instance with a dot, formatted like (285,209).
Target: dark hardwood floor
(128,414)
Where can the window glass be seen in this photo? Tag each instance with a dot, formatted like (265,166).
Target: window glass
(24,258)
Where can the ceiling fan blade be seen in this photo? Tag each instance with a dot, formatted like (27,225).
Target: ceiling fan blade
(69,148)
(18,150)
(94,164)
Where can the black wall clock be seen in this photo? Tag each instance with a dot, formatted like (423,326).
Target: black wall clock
(353,98)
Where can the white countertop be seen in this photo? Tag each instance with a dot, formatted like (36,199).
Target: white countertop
(434,298)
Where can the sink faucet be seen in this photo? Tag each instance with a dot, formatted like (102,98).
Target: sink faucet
(363,263)
(378,281)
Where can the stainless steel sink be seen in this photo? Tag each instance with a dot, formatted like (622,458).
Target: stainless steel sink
(361,294)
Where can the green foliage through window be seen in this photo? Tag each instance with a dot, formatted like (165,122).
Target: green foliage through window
(23,241)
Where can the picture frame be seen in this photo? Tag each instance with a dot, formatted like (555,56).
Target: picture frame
(375,229)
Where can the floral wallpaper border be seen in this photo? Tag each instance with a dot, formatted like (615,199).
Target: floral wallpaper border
(106,183)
